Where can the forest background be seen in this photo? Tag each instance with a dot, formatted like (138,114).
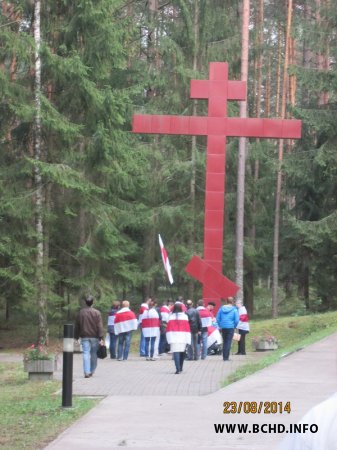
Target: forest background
(83,199)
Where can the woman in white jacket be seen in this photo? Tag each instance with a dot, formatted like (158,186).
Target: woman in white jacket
(151,330)
(243,327)
(178,334)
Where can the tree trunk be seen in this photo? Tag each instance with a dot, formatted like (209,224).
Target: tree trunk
(257,105)
(279,172)
(307,54)
(82,228)
(292,77)
(304,282)
(191,284)
(152,50)
(249,277)
(322,59)
(249,289)
(306,285)
(278,71)
(6,309)
(43,330)
(268,87)
(240,205)
(149,256)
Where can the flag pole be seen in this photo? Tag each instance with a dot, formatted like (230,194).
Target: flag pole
(166,262)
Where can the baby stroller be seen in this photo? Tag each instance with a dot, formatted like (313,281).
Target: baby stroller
(214,341)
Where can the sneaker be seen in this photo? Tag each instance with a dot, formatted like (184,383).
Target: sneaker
(120,359)
(88,375)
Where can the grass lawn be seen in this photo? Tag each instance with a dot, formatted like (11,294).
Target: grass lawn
(31,413)
(292,333)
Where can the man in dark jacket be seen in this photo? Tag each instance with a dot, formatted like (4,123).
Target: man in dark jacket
(89,327)
(195,326)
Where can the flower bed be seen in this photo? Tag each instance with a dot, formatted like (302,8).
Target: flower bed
(265,342)
(39,363)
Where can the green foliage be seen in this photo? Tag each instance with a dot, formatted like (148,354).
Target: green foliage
(36,353)
(66,177)
(107,193)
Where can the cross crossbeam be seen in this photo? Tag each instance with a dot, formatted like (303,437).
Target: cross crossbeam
(217,127)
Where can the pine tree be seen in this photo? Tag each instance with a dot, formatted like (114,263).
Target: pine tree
(239,250)
(311,167)
(83,162)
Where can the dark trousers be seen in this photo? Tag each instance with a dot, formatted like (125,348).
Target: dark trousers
(142,344)
(193,349)
(179,358)
(227,336)
(163,345)
(242,342)
(149,346)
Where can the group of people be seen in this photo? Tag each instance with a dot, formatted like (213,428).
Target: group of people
(175,326)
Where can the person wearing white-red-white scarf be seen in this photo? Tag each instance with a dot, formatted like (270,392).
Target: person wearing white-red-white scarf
(143,307)
(214,337)
(206,321)
(165,313)
(125,323)
(150,328)
(180,301)
(210,307)
(178,335)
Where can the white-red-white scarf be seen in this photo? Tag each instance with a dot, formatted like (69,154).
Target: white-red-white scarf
(125,320)
(178,329)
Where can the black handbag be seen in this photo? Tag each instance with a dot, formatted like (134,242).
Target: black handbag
(101,352)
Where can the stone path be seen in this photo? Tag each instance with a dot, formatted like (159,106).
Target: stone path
(136,376)
(146,406)
(136,416)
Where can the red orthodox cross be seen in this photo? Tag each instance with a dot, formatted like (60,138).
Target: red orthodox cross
(216,126)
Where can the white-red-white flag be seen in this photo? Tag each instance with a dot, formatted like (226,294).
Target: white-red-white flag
(165,259)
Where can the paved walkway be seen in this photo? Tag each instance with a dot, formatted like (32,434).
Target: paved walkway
(180,414)
(136,376)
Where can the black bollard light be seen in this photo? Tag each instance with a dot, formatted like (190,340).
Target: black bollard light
(67,374)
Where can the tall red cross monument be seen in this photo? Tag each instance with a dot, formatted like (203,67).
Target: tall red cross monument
(216,126)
